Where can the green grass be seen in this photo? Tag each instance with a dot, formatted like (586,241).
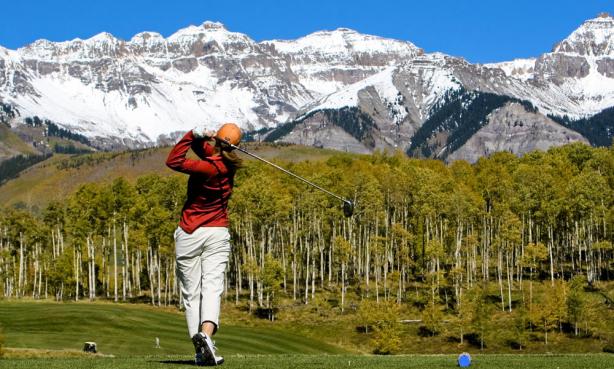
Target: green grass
(125,336)
(326,361)
(121,329)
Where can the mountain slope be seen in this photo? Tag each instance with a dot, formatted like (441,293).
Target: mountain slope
(11,144)
(461,114)
(515,128)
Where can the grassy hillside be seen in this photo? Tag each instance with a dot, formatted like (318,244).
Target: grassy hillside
(61,175)
(11,144)
(132,329)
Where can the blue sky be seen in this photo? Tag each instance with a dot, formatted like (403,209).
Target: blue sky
(480,31)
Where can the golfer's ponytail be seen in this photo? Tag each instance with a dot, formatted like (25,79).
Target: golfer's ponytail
(231,159)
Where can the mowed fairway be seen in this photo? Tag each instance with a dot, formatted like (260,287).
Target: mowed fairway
(121,329)
(126,334)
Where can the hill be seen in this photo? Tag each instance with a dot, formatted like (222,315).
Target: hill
(61,175)
(11,144)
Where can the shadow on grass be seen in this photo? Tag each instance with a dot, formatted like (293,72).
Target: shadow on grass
(180,362)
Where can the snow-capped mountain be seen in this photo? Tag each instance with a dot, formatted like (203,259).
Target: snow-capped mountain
(575,80)
(581,67)
(150,86)
(339,89)
(328,61)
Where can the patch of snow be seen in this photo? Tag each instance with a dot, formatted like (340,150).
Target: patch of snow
(595,90)
(521,69)
(348,96)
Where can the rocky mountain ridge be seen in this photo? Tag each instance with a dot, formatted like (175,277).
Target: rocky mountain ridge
(141,90)
(149,89)
(572,82)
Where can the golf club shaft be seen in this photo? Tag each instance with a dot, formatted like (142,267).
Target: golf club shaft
(286,171)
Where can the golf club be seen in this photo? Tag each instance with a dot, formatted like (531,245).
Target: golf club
(348,206)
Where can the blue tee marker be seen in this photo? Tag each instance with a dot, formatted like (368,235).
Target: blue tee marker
(464,360)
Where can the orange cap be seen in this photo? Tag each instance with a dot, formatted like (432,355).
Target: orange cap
(229,132)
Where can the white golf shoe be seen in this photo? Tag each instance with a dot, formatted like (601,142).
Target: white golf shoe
(205,351)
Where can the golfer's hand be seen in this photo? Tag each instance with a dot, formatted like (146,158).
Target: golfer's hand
(202,132)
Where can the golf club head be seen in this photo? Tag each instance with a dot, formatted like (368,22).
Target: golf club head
(348,208)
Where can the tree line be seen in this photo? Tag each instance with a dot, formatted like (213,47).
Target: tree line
(437,236)
(598,129)
(10,168)
(53,130)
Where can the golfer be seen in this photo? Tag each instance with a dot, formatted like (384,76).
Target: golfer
(202,240)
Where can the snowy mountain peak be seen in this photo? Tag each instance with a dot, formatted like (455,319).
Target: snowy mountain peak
(213,25)
(192,39)
(345,30)
(102,37)
(595,37)
(344,41)
(5,53)
(146,37)
(341,31)
(41,43)
(98,46)
(207,27)
(43,49)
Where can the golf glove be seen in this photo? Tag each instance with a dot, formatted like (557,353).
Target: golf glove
(203,132)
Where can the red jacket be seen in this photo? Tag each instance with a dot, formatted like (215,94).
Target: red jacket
(209,186)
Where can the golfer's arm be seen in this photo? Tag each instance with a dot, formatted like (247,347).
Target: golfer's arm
(202,148)
(177,159)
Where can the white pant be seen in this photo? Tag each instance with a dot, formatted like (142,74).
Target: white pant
(201,261)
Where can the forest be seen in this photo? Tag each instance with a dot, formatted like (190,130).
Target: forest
(447,239)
